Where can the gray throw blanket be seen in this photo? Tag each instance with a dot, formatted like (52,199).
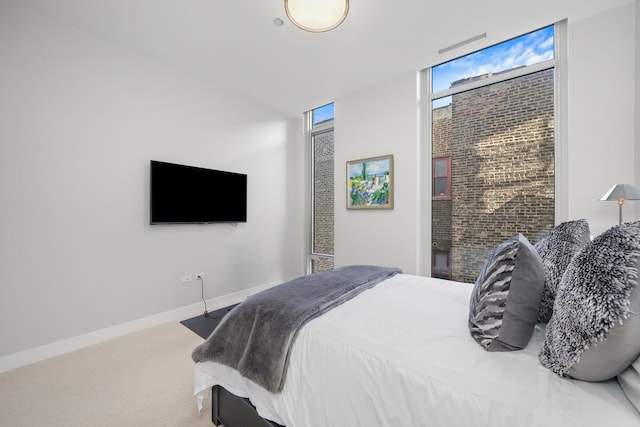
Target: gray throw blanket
(256,337)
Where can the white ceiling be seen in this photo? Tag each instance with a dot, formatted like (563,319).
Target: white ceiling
(235,44)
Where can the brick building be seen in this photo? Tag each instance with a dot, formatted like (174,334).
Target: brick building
(323,201)
(499,140)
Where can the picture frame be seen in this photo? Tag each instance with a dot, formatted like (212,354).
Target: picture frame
(370,183)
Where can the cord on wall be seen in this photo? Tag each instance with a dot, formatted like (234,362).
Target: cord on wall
(205,314)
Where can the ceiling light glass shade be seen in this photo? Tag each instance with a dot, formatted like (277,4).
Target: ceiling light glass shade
(317,15)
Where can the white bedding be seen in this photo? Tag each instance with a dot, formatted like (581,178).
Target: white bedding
(400,355)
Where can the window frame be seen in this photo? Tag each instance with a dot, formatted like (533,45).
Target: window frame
(425,81)
(312,131)
(447,176)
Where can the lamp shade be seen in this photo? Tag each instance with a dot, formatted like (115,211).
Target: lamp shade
(316,15)
(622,192)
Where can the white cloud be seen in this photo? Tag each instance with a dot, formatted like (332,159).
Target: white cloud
(547,44)
(530,49)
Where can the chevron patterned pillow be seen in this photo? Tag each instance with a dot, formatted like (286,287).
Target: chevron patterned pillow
(506,297)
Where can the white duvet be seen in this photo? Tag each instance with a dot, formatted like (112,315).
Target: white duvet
(400,355)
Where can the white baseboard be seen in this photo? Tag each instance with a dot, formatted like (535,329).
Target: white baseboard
(33,355)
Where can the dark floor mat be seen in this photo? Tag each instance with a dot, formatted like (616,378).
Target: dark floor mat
(203,324)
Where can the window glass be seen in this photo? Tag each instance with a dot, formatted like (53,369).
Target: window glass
(441,261)
(498,140)
(321,115)
(322,175)
(441,264)
(323,193)
(440,186)
(526,50)
(440,167)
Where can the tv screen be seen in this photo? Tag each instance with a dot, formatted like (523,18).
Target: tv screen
(183,194)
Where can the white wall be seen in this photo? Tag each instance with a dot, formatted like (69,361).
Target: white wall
(368,124)
(601,138)
(80,118)
(602,114)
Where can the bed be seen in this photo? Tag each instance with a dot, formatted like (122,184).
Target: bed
(400,353)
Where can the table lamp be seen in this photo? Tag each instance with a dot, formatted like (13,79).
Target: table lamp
(620,193)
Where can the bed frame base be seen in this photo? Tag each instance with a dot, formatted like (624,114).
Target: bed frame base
(234,411)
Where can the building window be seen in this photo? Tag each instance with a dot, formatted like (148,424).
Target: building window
(441,265)
(442,177)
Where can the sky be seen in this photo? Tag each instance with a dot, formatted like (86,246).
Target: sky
(375,167)
(322,114)
(528,49)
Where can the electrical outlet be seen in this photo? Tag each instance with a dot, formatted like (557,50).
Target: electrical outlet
(200,275)
(187,278)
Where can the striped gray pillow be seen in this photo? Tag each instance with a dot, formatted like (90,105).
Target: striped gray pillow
(506,296)
(629,381)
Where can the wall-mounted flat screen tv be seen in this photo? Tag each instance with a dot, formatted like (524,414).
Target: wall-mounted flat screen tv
(182,194)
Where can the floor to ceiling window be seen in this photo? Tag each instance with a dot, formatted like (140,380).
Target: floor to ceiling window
(322,212)
(493,151)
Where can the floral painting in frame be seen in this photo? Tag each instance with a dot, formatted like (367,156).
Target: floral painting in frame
(370,183)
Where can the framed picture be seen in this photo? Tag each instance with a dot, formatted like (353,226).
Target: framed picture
(370,183)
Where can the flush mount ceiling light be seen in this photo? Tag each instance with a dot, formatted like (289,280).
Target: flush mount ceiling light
(316,16)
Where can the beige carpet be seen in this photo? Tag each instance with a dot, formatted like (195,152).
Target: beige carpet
(142,379)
